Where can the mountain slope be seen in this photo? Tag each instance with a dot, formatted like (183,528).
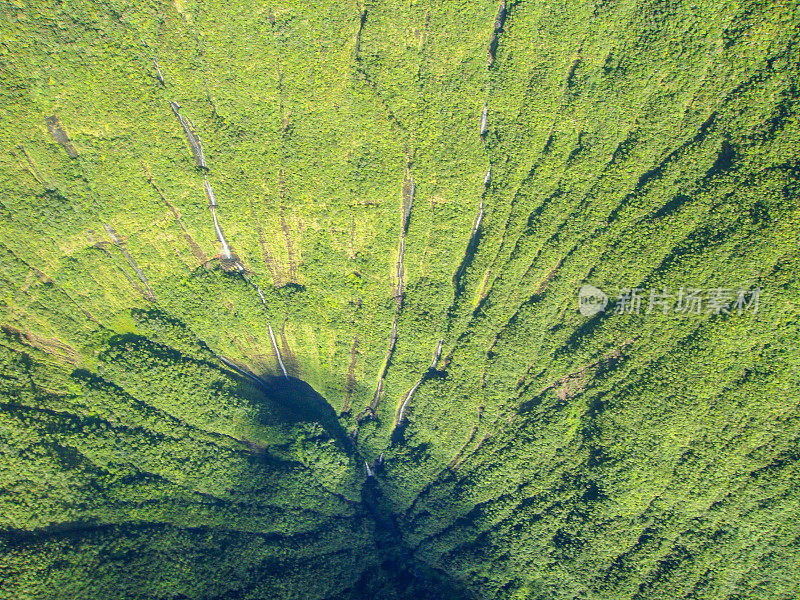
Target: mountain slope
(312,331)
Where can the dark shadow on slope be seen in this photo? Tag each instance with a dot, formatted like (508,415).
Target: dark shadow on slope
(458,278)
(399,575)
(298,401)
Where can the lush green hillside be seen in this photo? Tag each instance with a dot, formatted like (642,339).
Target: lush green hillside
(312,330)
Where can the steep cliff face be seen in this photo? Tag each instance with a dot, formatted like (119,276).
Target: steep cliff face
(290,300)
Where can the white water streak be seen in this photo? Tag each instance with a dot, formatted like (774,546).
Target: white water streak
(277,352)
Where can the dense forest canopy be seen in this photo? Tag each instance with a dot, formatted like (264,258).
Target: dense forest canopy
(399,300)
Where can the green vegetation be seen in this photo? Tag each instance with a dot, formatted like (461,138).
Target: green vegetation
(547,455)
